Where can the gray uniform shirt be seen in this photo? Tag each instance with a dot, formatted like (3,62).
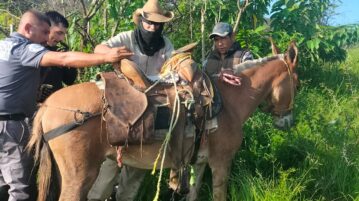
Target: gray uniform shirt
(150,65)
(19,74)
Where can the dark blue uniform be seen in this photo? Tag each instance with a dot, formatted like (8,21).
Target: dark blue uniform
(19,81)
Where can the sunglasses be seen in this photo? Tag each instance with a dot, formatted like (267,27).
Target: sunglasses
(151,23)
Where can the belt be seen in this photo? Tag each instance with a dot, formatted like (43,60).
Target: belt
(14,117)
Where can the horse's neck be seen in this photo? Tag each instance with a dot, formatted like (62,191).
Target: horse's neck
(240,102)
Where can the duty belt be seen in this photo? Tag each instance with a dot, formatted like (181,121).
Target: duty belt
(14,117)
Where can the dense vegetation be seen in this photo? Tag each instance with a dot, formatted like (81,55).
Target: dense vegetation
(315,160)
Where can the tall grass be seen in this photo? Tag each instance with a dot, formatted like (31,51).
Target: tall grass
(318,159)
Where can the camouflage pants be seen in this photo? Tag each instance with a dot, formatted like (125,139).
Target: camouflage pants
(15,164)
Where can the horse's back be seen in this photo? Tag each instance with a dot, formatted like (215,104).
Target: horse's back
(80,96)
(62,105)
(67,106)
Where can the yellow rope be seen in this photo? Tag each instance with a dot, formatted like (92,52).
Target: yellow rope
(173,62)
(169,67)
(173,122)
(188,102)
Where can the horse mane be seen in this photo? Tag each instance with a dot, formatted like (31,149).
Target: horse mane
(255,63)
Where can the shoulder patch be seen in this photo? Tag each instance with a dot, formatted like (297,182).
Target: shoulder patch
(5,49)
(36,47)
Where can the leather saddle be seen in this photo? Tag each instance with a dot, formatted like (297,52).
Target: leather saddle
(133,74)
(129,120)
(131,115)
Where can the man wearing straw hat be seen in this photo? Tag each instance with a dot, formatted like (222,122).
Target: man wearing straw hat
(151,49)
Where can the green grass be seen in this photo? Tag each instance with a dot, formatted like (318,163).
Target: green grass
(318,159)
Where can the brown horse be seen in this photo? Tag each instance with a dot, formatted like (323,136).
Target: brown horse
(273,80)
(78,154)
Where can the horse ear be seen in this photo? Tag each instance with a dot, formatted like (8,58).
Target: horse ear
(291,55)
(275,49)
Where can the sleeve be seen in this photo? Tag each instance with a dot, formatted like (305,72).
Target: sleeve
(32,55)
(204,65)
(70,75)
(168,48)
(118,40)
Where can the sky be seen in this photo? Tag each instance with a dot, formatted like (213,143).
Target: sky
(347,13)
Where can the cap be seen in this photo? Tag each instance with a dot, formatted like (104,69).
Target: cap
(221,29)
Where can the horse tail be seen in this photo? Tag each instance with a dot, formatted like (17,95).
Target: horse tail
(42,155)
(35,143)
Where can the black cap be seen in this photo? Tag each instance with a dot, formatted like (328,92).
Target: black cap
(221,29)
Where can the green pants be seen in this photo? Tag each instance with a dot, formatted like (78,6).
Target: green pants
(129,181)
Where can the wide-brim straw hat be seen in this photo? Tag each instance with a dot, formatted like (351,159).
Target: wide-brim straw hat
(153,12)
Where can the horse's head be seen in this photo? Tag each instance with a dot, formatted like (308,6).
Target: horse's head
(181,62)
(197,83)
(281,98)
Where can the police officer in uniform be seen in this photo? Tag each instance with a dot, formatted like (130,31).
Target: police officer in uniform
(21,56)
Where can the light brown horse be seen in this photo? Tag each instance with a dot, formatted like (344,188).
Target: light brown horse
(273,80)
(78,154)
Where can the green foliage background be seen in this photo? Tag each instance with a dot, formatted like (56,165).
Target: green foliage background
(315,160)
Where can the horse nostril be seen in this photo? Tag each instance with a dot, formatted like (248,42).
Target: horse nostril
(284,122)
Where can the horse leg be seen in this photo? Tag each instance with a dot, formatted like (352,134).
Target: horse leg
(220,173)
(195,188)
(78,173)
(74,188)
(79,155)
(222,148)
(198,168)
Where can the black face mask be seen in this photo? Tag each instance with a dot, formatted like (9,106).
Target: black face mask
(149,42)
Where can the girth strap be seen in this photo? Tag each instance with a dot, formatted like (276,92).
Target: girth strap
(68,127)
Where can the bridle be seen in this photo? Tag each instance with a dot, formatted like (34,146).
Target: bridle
(284,112)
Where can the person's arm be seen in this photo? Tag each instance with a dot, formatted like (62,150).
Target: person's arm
(80,59)
(122,39)
(101,49)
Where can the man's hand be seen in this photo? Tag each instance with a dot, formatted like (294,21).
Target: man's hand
(229,77)
(117,53)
